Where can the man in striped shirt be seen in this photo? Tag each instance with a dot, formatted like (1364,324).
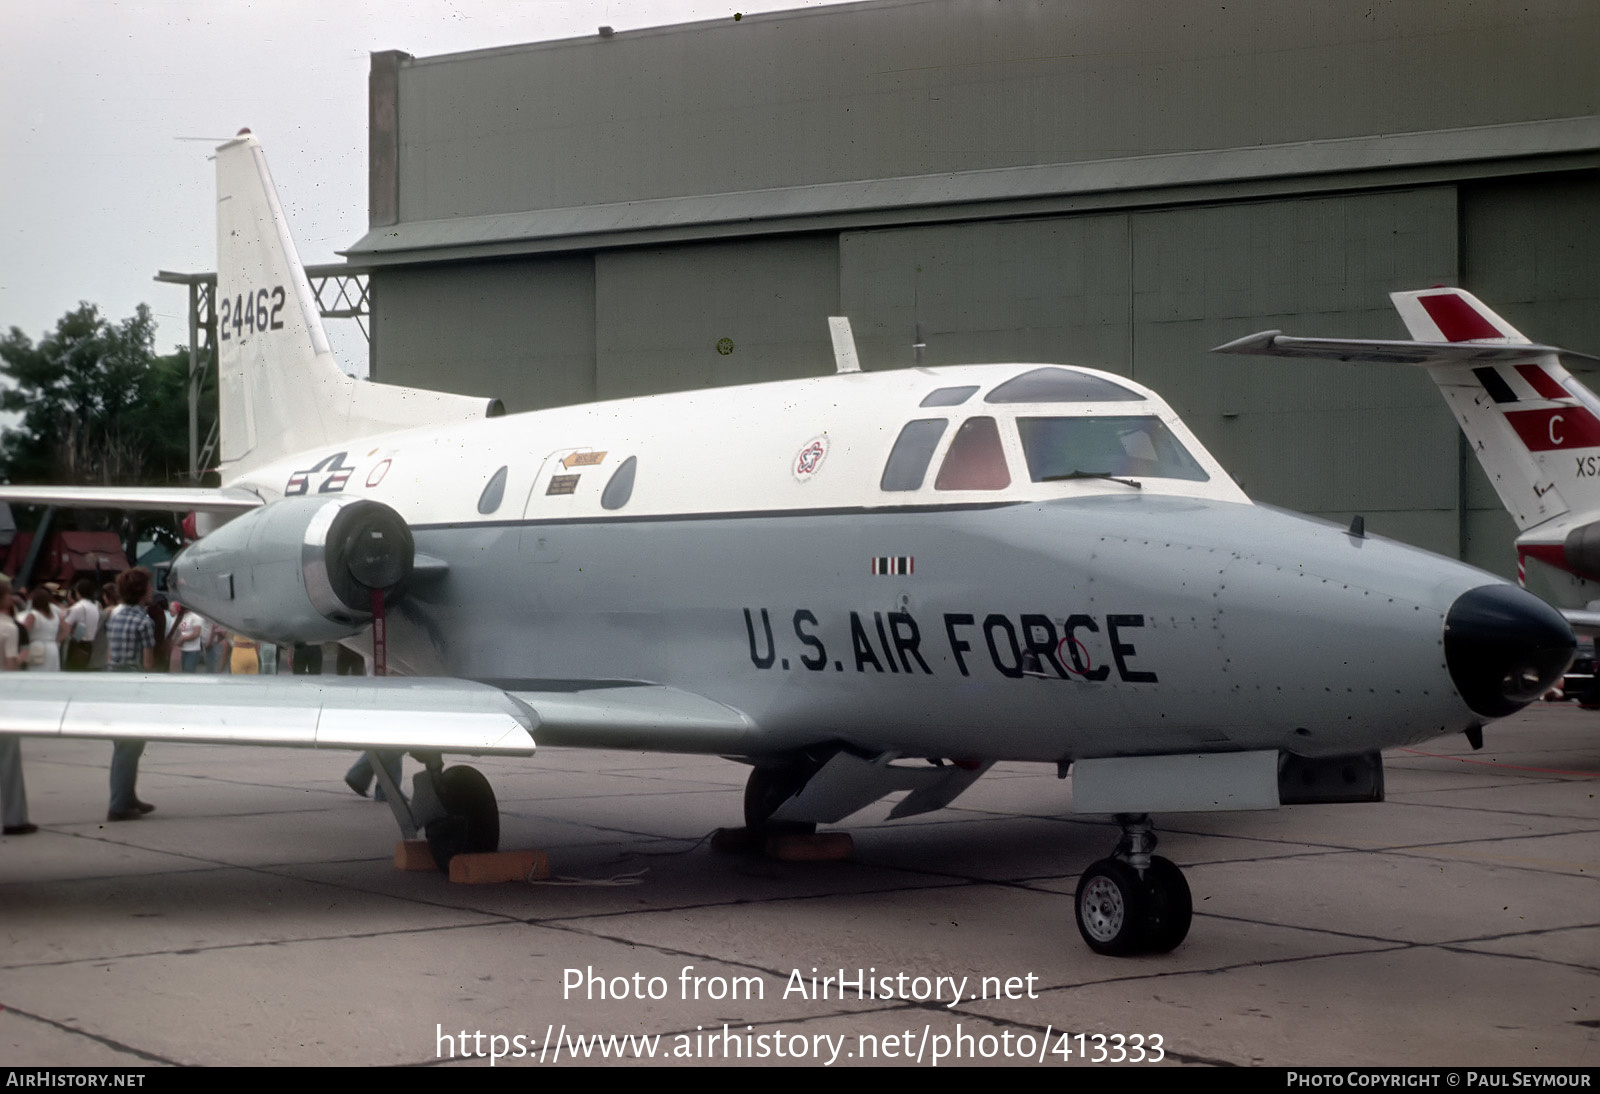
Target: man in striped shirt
(131,640)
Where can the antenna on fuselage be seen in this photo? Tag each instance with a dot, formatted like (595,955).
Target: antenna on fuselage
(844,344)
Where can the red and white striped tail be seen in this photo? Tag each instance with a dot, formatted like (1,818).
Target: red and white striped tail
(1533,427)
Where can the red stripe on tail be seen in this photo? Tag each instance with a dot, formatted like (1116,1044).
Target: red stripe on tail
(1544,383)
(1458,321)
(1561,427)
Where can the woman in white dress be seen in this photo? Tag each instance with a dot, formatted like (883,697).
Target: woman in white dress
(47,626)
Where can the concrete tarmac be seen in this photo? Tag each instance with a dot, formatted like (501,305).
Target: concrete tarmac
(256,918)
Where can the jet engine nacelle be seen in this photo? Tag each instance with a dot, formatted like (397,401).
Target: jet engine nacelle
(298,570)
(1582,550)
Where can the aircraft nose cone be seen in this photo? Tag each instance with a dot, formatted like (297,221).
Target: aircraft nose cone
(1505,647)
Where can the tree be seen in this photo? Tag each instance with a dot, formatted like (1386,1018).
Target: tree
(98,406)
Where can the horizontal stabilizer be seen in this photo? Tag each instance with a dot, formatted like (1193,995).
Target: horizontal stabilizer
(400,713)
(176,499)
(1582,621)
(1274,343)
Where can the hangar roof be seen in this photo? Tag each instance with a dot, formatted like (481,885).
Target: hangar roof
(1387,160)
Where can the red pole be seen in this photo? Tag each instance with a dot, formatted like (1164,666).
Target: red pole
(380,638)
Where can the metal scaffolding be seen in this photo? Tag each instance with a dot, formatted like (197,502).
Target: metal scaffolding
(341,293)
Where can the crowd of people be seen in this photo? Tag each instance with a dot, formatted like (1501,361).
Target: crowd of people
(121,626)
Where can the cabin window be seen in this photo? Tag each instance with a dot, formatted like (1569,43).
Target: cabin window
(913,450)
(976,461)
(1139,447)
(1061,385)
(948,396)
(620,488)
(490,499)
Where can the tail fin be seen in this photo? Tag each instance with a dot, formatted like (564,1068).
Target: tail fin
(280,389)
(1532,425)
(1534,428)
(1454,316)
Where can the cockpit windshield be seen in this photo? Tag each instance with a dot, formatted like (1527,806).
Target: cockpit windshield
(1136,446)
(1060,385)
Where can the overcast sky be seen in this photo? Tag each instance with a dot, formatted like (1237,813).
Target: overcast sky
(109,112)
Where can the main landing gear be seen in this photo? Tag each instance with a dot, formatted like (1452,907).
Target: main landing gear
(471,821)
(1134,902)
(768,788)
(454,806)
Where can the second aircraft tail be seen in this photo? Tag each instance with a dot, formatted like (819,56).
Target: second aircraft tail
(1532,425)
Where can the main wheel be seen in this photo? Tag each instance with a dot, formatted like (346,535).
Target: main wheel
(472,820)
(1170,909)
(1113,908)
(766,790)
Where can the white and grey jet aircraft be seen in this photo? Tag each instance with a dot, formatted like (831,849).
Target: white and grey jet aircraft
(859,584)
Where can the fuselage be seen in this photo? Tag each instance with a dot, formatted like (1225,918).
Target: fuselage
(1000,562)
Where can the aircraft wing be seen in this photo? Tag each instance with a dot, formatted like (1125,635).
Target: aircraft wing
(1274,343)
(170,498)
(392,712)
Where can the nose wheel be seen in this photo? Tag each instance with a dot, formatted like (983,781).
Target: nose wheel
(1112,908)
(1134,902)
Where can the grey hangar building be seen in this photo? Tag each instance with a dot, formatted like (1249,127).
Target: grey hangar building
(1121,186)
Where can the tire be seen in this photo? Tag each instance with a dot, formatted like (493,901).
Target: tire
(1112,906)
(766,790)
(1170,909)
(472,823)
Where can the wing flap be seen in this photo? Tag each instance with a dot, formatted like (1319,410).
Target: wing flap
(628,715)
(400,713)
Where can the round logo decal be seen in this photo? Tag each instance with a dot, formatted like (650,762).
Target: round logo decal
(810,458)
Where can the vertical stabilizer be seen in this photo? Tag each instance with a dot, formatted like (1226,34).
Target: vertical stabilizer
(1453,315)
(1533,427)
(280,389)
(279,386)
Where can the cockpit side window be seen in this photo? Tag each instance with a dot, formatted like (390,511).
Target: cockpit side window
(493,493)
(1139,446)
(1061,385)
(976,460)
(913,449)
(948,396)
(620,488)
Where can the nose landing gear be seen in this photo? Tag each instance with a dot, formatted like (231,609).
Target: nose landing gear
(1134,902)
